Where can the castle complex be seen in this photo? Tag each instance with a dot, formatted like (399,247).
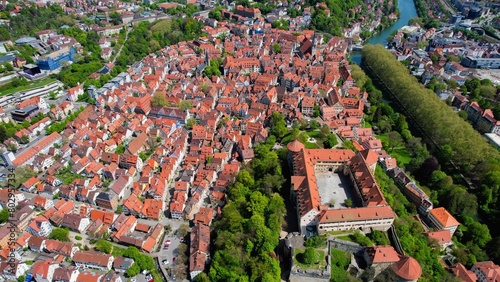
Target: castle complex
(315,215)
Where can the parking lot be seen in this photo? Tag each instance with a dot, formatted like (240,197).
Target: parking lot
(171,252)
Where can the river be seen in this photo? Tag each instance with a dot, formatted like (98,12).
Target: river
(407,11)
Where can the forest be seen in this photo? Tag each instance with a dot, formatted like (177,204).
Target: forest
(32,19)
(147,38)
(460,171)
(246,236)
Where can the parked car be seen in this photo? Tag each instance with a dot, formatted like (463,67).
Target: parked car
(165,261)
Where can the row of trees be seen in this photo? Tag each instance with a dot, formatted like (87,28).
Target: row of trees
(248,232)
(456,141)
(439,122)
(425,167)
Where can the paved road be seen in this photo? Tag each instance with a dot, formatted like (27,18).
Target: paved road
(448,6)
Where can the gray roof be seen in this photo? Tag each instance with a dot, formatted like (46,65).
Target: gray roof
(24,40)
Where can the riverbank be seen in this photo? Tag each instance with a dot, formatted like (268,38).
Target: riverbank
(407,11)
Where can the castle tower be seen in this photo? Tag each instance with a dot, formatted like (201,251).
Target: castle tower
(407,269)
(294,148)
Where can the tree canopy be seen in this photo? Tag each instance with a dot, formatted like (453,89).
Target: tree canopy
(438,120)
(61,234)
(148,38)
(248,232)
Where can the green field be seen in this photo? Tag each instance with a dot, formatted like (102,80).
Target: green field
(340,262)
(34,84)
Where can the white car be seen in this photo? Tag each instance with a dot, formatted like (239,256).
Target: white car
(165,261)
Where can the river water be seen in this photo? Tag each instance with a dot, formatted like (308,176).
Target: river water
(407,11)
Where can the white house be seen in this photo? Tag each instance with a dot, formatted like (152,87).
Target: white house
(12,271)
(40,226)
(92,259)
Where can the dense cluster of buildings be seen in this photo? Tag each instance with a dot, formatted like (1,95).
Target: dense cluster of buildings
(130,155)
(314,215)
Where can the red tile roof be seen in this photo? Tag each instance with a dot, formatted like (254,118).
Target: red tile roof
(355,214)
(444,217)
(407,268)
(441,236)
(382,254)
(461,272)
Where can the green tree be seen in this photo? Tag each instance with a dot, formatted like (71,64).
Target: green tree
(278,125)
(416,20)
(61,234)
(159,100)
(104,246)
(395,139)
(4,215)
(276,48)
(185,105)
(213,69)
(313,124)
(190,123)
(317,112)
(3,134)
(478,233)
(310,256)
(119,209)
(331,141)
(183,230)
(133,270)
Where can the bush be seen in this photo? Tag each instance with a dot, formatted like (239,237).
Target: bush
(361,239)
(316,241)
(78,238)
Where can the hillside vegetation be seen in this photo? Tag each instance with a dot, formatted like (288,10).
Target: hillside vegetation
(461,151)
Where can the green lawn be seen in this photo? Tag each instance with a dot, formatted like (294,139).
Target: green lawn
(346,237)
(340,262)
(401,154)
(339,232)
(319,266)
(34,84)
(310,145)
(314,134)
